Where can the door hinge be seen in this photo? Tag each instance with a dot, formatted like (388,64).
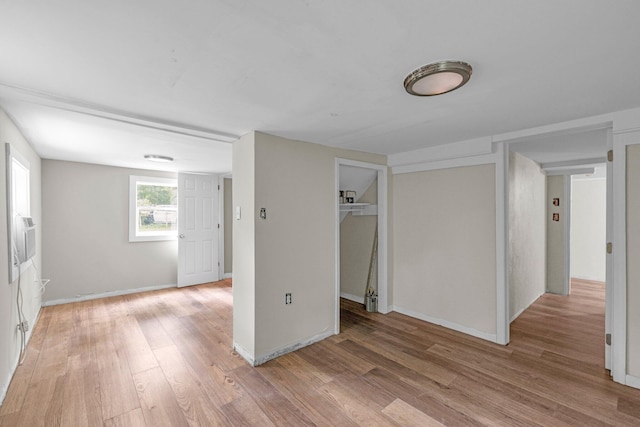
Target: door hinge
(610,155)
(218,226)
(607,339)
(609,248)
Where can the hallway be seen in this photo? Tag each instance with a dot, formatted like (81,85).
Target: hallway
(569,328)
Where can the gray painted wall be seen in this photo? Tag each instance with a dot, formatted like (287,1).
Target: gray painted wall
(555,235)
(633,255)
(588,228)
(86,248)
(444,224)
(527,233)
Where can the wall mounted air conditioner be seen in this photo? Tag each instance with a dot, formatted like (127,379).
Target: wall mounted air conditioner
(25,238)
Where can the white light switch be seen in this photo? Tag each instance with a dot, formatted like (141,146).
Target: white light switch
(238,212)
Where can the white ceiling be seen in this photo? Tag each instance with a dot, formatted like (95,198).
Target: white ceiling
(565,148)
(80,78)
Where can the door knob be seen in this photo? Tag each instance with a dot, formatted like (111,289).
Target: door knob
(181,236)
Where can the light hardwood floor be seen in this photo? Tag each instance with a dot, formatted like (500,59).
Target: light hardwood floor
(164,358)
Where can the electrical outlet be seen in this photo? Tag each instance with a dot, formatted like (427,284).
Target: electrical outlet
(24,326)
(287,298)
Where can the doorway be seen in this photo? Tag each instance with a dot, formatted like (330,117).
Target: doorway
(588,226)
(561,155)
(366,250)
(590,229)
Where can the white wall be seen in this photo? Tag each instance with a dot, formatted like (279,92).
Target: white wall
(356,244)
(9,336)
(86,248)
(555,235)
(294,248)
(244,247)
(588,228)
(444,224)
(527,233)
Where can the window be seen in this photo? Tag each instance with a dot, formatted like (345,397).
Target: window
(153,208)
(18,208)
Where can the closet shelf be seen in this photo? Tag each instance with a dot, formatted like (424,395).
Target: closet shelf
(359,209)
(353,206)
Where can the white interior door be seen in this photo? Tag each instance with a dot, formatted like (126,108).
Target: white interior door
(198,219)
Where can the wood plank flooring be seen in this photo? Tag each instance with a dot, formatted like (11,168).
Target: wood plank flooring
(164,358)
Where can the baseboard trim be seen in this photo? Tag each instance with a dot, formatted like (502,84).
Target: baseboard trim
(382,310)
(515,316)
(632,381)
(243,353)
(106,295)
(351,297)
(5,387)
(447,324)
(288,349)
(227,276)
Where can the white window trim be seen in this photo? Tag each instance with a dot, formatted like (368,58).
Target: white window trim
(134,180)
(15,159)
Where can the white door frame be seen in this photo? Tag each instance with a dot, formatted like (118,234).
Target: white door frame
(608,315)
(619,258)
(566,237)
(383,300)
(503,317)
(616,306)
(221,215)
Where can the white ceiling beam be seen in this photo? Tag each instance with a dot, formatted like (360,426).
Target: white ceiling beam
(586,124)
(455,150)
(570,171)
(571,163)
(16,93)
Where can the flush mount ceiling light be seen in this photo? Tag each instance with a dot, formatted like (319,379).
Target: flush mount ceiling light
(158,158)
(437,78)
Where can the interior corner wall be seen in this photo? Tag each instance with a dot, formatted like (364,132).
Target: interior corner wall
(444,250)
(31,296)
(357,235)
(295,246)
(86,245)
(588,228)
(244,246)
(555,235)
(633,254)
(527,233)
(228,225)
